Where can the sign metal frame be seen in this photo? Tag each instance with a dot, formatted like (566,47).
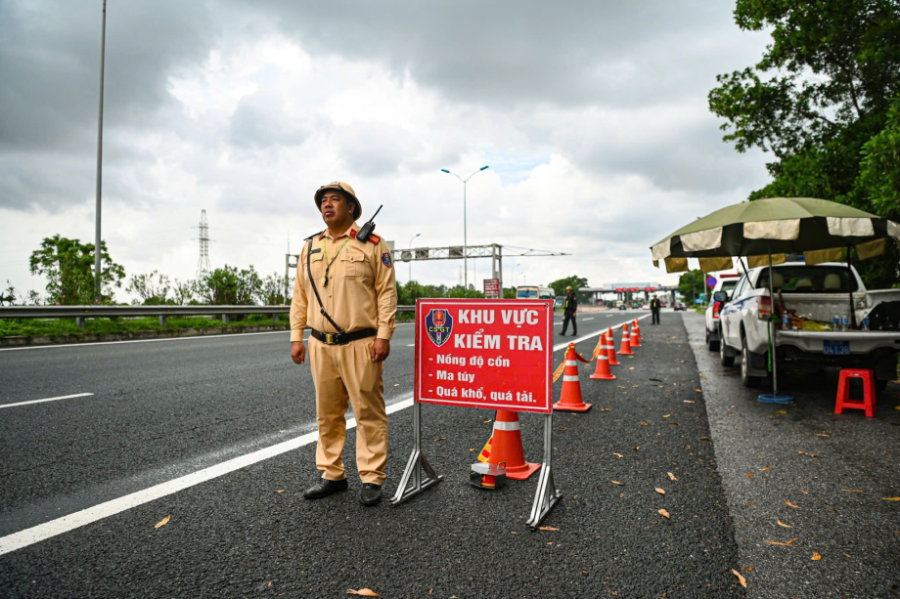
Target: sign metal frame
(419,475)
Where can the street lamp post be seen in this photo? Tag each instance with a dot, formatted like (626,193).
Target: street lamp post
(97,285)
(513,277)
(465,239)
(409,276)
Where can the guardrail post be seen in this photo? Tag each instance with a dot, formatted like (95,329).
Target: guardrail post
(275,319)
(79,320)
(162,320)
(225,318)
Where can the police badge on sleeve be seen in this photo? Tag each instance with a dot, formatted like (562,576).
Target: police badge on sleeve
(386,258)
(439,326)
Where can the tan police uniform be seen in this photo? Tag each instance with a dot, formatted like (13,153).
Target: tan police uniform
(361,294)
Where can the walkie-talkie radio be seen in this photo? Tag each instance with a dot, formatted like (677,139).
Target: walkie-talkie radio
(367,228)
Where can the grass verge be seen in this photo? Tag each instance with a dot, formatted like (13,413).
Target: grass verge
(98,326)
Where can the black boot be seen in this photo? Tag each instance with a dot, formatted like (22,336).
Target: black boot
(324,488)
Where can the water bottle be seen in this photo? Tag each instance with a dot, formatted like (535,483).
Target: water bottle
(865,324)
(785,323)
(836,323)
(845,324)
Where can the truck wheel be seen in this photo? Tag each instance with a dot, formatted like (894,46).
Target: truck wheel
(746,379)
(712,345)
(724,359)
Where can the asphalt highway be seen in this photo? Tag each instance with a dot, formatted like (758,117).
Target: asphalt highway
(217,434)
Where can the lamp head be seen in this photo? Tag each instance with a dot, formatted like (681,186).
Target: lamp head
(443,170)
(484,167)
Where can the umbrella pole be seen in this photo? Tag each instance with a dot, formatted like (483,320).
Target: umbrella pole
(772,330)
(850,284)
(774,397)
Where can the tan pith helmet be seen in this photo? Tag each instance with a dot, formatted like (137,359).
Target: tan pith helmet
(340,186)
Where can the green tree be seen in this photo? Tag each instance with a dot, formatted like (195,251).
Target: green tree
(820,101)
(183,292)
(228,286)
(152,288)
(271,291)
(575,282)
(691,284)
(68,266)
(8,296)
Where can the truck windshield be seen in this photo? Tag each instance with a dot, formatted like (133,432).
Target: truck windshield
(809,279)
(527,293)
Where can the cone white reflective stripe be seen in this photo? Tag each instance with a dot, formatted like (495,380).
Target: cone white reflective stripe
(571,363)
(570,379)
(603,357)
(506,426)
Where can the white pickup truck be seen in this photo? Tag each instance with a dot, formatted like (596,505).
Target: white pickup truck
(811,296)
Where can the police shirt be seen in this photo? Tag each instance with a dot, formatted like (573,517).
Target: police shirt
(361,292)
(571,304)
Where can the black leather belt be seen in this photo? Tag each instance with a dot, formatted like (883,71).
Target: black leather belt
(342,338)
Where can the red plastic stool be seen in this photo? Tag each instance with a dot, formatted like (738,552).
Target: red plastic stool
(843,394)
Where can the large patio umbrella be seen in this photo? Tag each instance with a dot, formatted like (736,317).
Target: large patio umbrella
(820,229)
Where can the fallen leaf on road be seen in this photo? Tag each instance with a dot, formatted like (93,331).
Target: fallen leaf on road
(363,593)
(645,424)
(853,490)
(550,543)
(788,544)
(812,455)
(631,368)
(397,384)
(703,438)
(847,554)
(789,504)
(440,439)
(764,469)
(747,568)
(636,447)
(781,411)
(664,513)
(660,491)
(512,532)
(471,449)
(615,482)
(822,435)
(162,522)
(671,476)
(280,491)
(750,503)
(618,455)
(891,498)
(547,528)
(740,578)
(689,401)
(666,415)
(804,491)
(563,429)
(750,475)
(488,420)
(605,409)
(780,523)
(816,556)
(698,390)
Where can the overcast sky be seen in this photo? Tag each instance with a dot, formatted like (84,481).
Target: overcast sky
(591,115)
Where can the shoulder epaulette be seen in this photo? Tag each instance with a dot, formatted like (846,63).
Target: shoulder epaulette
(319,234)
(374,238)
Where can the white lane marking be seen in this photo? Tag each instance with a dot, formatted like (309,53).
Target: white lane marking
(587,319)
(411,345)
(193,338)
(610,315)
(25,403)
(45,531)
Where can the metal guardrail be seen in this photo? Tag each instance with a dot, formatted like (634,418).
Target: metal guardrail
(80,313)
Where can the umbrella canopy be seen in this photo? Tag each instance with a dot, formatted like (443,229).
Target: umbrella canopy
(778,226)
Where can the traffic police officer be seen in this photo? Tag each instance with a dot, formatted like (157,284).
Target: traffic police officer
(355,281)
(570,306)
(654,309)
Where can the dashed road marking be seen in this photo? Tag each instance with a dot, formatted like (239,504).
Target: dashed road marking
(26,403)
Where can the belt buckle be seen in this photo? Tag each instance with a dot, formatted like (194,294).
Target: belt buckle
(329,339)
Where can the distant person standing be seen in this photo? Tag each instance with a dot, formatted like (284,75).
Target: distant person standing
(570,306)
(654,309)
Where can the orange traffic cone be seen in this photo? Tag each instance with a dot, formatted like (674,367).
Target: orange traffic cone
(637,325)
(611,344)
(635,342)
(625,350)
(602,371)
(570,399)
(505,447)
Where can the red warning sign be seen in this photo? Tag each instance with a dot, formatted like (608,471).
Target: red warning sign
(479,353)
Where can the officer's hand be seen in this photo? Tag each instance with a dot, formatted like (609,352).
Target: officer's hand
(298,352)
(380,350)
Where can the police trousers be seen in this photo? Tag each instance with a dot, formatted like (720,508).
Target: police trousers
(346,374)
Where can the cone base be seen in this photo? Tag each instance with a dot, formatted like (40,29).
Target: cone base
(626,353)
(633,344)
(615,363)
(522,472)
(604,377)
(566,407)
